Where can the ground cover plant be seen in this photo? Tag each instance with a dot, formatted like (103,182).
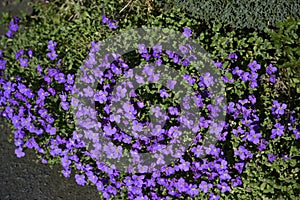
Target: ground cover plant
(256,155)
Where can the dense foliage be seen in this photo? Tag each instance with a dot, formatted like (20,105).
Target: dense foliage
(257,152)
(239,13)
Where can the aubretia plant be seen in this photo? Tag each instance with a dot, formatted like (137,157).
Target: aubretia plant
(41,114)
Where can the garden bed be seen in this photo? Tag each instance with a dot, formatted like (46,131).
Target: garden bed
(143,102)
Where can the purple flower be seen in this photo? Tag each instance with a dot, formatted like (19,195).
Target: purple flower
(183,49)
(121,92)
(2,64)
(204,186)
(297,133)
(232,56)
(51,45)
(157,130)
(29,52)
(184,165)
(51,130)
(157,49)
(42,93)
(242,152)
(92,177)
(192,80)
(60,78)
(163,93)
(101,96)
(213,150)
(19,152)
(170,53)
(271,69)
(95,46)
(239,167)
(278,131)
(186,62)
(245,76)
(254,137)
(65,105)
(273,78)
(271,157)
(105,20)
(66,172)
(39,69)
(147,56)
(80,179)
(139,79)
(279,108)
(13,26)
(253,84)
(237,71)
(142,49)
(181,185)
(136,126)
(254,66)
(218,64)
(154,77)
(88,91)
(9,86)
(157,111)
(213,197)
(9,34)
(193,190)
(225,175)
(109,130)
(70,79)
(224,187)
(65,161)
(44,161)
(112,151)
(52,91)
(149,70)
(112,25)
(52,55)
(236,182)
(198,151)
(16,120)
(285,157)
(68,87)
(47,79)
(207,79)
(187,32)
(252,99)
(19,54)
(16,19)
(230,107)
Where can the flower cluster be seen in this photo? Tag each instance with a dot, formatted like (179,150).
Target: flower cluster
(270,71)
(199,169)
(13,27)
(51,47)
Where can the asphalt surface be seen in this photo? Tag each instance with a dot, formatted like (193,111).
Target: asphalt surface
(27,178)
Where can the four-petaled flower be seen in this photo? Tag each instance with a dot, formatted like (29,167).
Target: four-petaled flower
(278,131)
